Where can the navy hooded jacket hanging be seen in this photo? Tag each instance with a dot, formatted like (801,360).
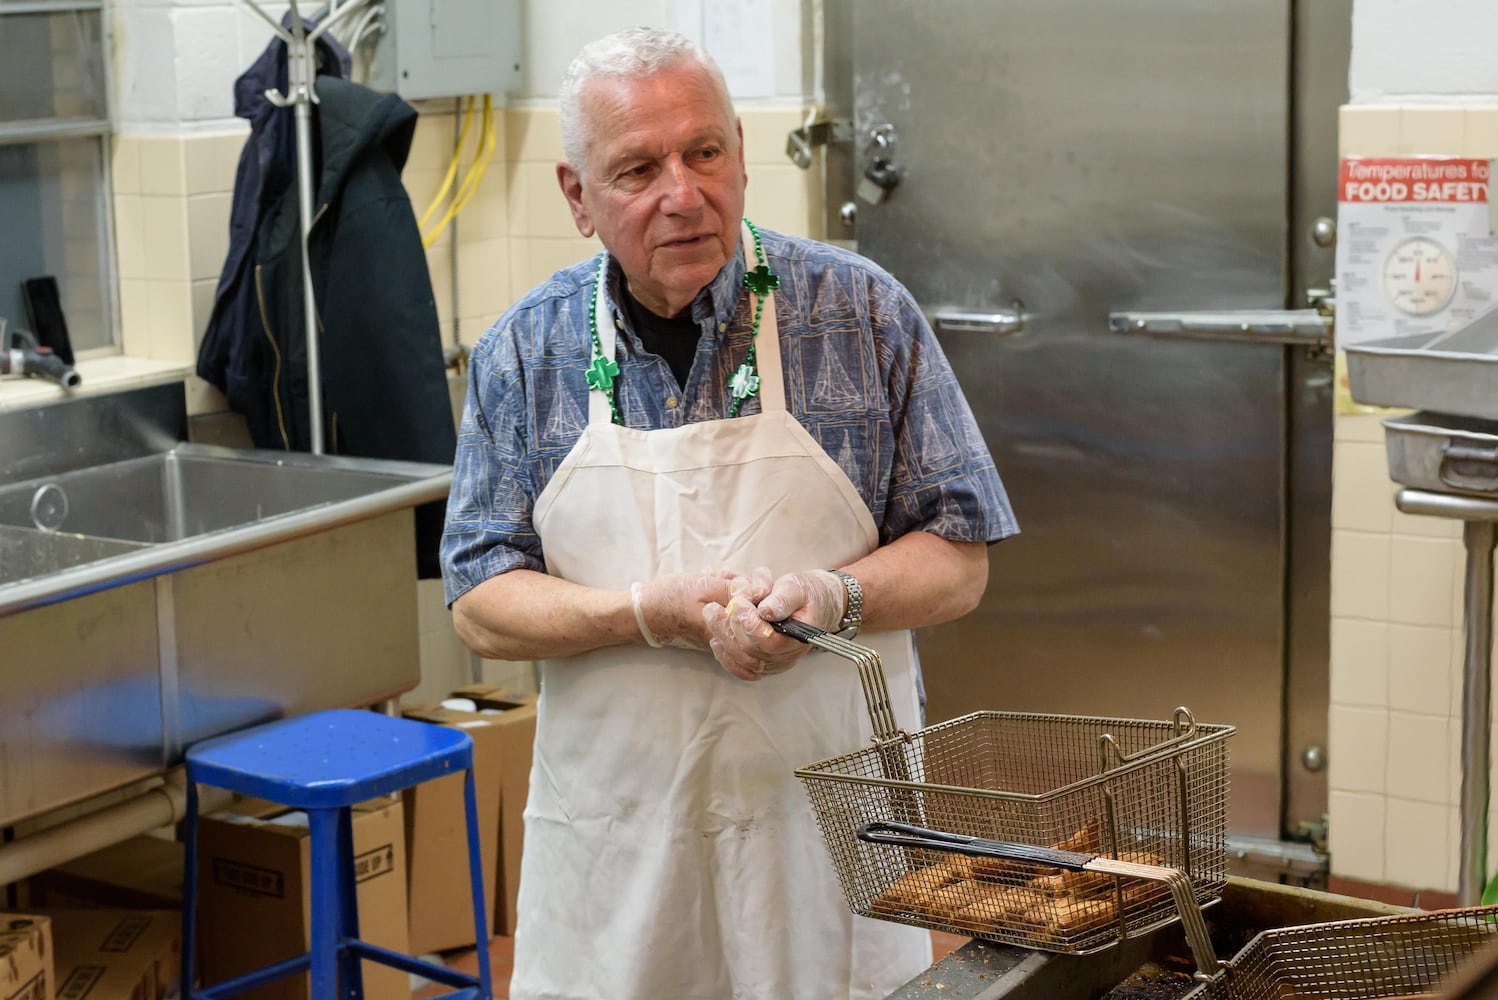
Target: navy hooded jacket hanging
(384,385)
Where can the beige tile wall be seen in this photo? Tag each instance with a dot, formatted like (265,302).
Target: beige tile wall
(1396,631)
(172,198)
(171,205)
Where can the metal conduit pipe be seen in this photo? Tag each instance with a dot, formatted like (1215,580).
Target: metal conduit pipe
(157,807)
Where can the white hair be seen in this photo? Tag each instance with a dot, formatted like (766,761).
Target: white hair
(631,54)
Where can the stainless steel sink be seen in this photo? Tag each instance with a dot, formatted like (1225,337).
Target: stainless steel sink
(88,529)
(27,553)
(154,593)
(190,490)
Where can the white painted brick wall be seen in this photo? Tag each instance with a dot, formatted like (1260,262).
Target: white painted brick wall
(176,60)
(1431,51)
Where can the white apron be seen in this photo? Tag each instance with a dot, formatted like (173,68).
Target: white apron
(670,852)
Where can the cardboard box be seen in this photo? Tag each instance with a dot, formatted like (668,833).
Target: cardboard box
(142,873)
(515,715)
(437,879)
(254,904)
(26,958)
(117,954)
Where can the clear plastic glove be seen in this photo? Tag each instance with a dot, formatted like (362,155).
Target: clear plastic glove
(669,609)
(814,596)
(741,637)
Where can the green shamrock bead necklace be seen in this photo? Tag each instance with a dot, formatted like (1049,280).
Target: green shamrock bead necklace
(744,382)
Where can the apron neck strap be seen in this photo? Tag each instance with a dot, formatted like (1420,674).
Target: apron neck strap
(599,413)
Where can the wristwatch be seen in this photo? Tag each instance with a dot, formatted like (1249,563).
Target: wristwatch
(853,607)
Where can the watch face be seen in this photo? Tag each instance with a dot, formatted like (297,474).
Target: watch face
(1419,276)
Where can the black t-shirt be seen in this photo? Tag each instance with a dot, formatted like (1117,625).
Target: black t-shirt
(672,338)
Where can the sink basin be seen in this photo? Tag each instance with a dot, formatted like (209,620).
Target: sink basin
(26,552)
(102,526)
(181,493)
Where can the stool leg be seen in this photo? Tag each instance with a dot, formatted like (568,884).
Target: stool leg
(189,891)
(476,879)
(326,905)
(350,965)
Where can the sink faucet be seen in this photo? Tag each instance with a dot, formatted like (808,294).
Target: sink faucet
(22,354)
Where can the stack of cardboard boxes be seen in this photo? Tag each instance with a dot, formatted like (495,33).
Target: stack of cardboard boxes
(113,924)
(108,926)
(254,895)
(503,727)
(26,967)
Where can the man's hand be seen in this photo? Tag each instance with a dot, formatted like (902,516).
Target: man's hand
(669,609)
(742,639)
(816,597)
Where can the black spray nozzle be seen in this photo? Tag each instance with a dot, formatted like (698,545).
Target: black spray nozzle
(24,355)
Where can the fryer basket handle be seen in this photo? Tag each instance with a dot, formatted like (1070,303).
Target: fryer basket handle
(908,835)
(870,673)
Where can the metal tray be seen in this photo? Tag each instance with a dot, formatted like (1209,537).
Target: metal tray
(1449,371)
(1447,454)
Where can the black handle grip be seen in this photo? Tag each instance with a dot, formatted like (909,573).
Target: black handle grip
(797,629)
(906,835)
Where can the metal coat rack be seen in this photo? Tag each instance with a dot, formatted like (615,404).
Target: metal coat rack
(301,58)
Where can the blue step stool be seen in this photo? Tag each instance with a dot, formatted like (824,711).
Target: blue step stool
(324,763)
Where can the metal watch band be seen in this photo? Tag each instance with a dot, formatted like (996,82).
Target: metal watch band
(853,611)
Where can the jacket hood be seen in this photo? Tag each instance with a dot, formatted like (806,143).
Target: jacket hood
(354,120)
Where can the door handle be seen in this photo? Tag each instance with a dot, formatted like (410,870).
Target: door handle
(1257,326)
(1005,321)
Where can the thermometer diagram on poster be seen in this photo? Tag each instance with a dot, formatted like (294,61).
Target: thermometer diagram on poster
(1415,250)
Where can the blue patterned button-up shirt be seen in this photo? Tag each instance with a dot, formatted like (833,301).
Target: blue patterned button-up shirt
(863,374)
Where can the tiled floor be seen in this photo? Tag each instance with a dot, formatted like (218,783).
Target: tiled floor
(501,961)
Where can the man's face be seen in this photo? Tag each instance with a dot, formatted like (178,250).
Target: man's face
(664,183)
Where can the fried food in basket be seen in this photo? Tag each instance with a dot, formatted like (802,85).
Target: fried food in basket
(1031,912)
(1138,892)
(993,895)
(947,903)
(1072,885)
(1087,839)
(908,891)
(996,906)
(1076,916)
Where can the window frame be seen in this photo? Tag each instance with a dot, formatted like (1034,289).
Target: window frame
(40,130)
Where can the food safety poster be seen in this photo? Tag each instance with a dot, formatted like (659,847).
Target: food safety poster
(1415,251)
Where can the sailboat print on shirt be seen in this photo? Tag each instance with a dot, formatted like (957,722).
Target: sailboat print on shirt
(833,388)
(847,459)
(566,421)
(937,449)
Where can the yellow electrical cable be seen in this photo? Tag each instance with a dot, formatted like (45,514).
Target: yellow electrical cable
(488,139)
(452,168)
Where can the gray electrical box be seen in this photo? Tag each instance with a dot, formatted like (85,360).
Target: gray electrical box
(447,48)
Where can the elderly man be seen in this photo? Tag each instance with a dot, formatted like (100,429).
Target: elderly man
(709,427)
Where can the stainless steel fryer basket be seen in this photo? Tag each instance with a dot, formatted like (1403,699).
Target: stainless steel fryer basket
(1401,956)
(1141,791)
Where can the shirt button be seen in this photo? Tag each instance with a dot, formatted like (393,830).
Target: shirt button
(722,327)
(672,402)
